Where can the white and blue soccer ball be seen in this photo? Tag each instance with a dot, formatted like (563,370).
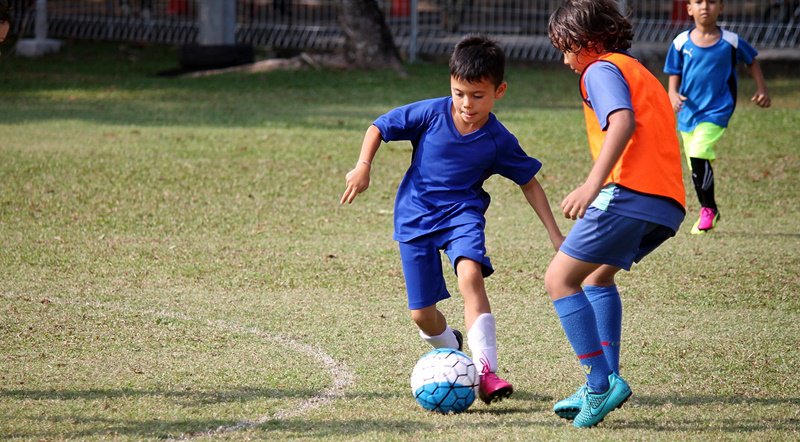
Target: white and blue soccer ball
(445,381)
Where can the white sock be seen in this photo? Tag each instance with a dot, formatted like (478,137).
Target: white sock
(445,340)
(482,340)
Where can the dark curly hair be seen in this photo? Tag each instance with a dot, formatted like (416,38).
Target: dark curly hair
(589,24)
(5,12)
(477,58)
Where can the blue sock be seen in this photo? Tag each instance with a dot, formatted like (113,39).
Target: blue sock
(578,320)
(607,307)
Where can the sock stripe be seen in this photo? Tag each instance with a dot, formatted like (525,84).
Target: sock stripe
(590,355)
(605,343)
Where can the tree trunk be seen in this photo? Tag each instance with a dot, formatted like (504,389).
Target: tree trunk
(368,45)
(368,41)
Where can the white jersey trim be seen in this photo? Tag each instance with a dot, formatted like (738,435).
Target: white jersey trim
(680,40)
(731,37)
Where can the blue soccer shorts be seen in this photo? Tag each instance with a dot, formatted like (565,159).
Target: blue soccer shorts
(607,238)
(422,261)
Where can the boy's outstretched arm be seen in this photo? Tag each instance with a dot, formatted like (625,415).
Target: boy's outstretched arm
(357,180)
(674,96)
(621,125)
(761,97)
(538,200)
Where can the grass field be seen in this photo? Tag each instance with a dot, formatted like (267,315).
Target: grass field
(175,263)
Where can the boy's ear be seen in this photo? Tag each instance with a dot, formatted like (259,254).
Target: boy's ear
(593,48)
(500,91)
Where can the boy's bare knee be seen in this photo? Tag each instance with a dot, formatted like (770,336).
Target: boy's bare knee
(468,269)
(552,281)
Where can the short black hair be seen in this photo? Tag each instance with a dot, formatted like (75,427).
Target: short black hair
(476,58)
(589,24)
(5,11)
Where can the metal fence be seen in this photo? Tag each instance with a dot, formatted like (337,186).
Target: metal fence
(311,25)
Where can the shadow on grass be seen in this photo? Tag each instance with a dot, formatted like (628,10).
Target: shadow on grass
(740,426)
(523,410)
(187,397)
(792,402)
(754,234)
(79,426)
(99,83)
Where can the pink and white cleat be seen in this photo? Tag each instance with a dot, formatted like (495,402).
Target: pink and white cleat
(707,221)
(493,388)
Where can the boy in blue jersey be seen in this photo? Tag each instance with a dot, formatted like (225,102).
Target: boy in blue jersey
(630,203)
(701,63)
(440,205)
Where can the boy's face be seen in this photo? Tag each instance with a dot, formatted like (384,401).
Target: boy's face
(472,102)
(704,12)
(578,60)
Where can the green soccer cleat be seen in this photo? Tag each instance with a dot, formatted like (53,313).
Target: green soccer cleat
(568,408)
(597,405)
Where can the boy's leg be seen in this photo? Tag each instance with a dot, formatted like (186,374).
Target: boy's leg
(478,318)
(422,269)
(577,317)
(608,313)
(481,331)
(563,283)
(465,246)
(703,180)
(592,259)
(699,147)
(434,330)
(602,293)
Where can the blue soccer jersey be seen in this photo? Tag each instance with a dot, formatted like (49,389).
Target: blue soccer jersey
(708,77)
(443,186)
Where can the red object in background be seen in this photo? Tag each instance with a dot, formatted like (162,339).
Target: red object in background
(178,7)
(679,13)
(401,8)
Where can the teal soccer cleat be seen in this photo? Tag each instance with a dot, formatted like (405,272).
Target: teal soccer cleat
(597,405)
(568,408)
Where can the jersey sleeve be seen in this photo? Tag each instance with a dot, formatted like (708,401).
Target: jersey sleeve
(607,90)
(673,64)
(405,122)
(513,163)
(745,53)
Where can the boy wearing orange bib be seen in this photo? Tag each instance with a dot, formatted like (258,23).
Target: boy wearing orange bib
(632,201)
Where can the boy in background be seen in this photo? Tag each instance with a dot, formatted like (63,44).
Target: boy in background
(701,63)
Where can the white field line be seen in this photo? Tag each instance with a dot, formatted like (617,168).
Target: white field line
(341,376)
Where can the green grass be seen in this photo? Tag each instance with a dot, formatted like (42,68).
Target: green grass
(173,252)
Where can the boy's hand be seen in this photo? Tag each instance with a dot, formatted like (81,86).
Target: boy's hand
(357,181)
(677,101)
(762,99)
(575,204)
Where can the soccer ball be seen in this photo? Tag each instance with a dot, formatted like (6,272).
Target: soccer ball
(444,380)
